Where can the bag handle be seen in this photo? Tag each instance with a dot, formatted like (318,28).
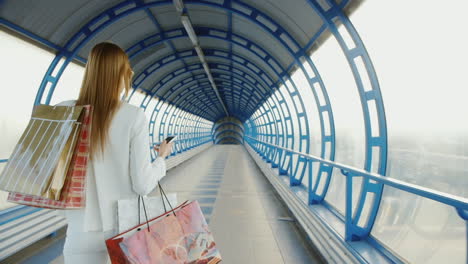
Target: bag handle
(163,195)
(144,208)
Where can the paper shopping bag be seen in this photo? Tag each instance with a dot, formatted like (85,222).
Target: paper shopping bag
(72,194)
(35,157)
(179,236)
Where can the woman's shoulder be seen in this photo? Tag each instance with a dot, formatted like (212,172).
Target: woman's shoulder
(130,112)
(130,108)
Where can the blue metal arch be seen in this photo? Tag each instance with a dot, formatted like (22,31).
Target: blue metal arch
(231,11)
(77,41)
(206,29)
(217,133)
(233,138)
(299,53)
(138,79)
(158,63)
(271,153)
(203,101)
(219,136)
(193,88)
(174,94)
(161,127)
(330,20)
(187,142)
(204,32)
(186,54)
(181,88)
(183,91)
(331,17)
(218,125)
(279,40)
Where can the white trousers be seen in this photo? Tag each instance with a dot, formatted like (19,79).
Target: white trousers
(86,247)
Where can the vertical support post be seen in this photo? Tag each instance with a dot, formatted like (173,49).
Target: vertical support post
(290,169)
(309,188)
(349,207)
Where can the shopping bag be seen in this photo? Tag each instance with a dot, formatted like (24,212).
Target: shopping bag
(128,216)
(34,159)
(180,235)
(72,194)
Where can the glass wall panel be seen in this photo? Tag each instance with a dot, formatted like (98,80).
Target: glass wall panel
(421,65)
(311,109)
(290,103)
(23,66)
(420,230)
(349,123)
(137,98)
(68,87)
(19,59)
(150,108)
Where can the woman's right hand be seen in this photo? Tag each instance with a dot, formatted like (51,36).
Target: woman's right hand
(164,149)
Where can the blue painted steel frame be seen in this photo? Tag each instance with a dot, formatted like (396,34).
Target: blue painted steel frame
(202,32)
(353,231)
(216,125)
(112,17)
(159,64)
(229,133)
(331,18)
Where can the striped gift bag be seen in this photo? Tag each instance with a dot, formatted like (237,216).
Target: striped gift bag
(41,158)
(72,195)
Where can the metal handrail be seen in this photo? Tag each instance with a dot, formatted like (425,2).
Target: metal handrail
(460,203)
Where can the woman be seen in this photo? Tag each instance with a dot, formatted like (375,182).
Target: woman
(119,166)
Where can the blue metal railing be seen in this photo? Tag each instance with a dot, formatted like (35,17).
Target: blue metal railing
(459,203)
(196,142)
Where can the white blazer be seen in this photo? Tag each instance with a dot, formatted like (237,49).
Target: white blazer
(124,171)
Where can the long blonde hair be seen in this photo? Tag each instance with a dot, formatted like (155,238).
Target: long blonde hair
(107,67)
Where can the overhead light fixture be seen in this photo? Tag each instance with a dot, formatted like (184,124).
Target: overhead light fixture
(179,5)
(210,78)
(207,70)
(188,27)
(193,38)
(200,54)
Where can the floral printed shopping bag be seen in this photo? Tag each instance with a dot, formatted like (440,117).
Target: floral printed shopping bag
(176,237)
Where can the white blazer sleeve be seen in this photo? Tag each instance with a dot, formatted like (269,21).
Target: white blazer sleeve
(144,174)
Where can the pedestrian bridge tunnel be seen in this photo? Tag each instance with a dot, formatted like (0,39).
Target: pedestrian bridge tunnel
(228,130)
(290,91)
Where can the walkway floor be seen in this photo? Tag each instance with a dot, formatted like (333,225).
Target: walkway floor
(249,222)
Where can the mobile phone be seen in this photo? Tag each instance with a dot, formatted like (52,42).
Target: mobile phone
(170,138)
